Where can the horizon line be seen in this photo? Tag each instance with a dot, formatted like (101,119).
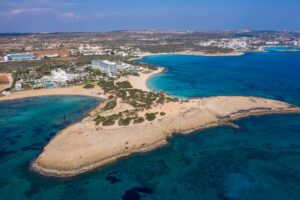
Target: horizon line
(166,30)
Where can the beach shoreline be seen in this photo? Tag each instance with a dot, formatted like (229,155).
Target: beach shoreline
(189,53)
(75,90)
(138,82)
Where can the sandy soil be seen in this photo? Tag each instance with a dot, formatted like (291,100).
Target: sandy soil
(85,146)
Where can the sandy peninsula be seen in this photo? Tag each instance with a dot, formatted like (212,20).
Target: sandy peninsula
(85,146)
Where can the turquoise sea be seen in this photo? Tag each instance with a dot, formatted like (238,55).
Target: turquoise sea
(259,161)
(274,75)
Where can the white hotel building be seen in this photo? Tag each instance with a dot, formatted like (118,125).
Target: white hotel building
(110,68)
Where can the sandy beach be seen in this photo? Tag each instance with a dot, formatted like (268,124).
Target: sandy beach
(140,82)
(76,90)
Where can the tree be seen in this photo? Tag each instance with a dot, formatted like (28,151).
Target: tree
(150,116)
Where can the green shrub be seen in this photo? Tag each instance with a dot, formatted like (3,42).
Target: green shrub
(88,86)
(124,122)
(139,120)
(169,99)
(150,116)
(121,94)
(99,119)
(111,104)
(108,122)
(107,85)
(162,113)
(124,84)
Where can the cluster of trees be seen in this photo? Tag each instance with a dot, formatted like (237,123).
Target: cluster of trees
(122,118)
(139,99)
(135,97)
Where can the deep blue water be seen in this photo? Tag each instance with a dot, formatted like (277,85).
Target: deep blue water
(273,75)
(261,160)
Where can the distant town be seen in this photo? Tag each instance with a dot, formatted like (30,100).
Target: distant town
(47,60)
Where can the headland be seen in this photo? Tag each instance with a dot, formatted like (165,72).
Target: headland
(192,53)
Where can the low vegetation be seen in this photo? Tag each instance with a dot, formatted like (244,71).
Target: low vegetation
(138,120)
(150,116)
(88,86)
(124,85)
(139,99)
(124,121)
(111,104)
(162,114)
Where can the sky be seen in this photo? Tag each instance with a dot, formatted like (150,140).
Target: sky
(110,15)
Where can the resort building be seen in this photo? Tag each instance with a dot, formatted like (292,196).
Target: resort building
(20,57)
(110,68)
(58,76)
(129,68)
